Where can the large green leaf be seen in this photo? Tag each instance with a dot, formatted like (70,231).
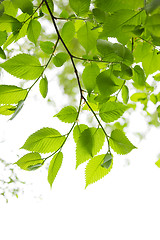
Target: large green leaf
(120,143)
(33,31)
(9,23)
(54,167)
(94,171)
(68,31)
(44,140)
(11,94)
(111,111)
(67,114)
(80,7)
(153,24)
(89,76)
(106,84)
(30,161)
(26,5)
(87,37)
(89,144)
(151,62)
(23,66)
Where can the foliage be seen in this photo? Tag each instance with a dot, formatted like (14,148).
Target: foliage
(110,49)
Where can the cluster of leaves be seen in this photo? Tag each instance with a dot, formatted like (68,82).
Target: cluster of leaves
(110,70)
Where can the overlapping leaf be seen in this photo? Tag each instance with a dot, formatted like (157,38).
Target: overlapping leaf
(94,171)
(78,129)
(80,7)
(10,94)
(89,144)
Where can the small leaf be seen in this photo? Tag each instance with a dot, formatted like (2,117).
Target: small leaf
(80,7)
(47,47)
(68,31)
(139,76)
(67,114)
(158,163)
(23,66)
(138,97)
(125,94)
(89,76)
(2,54)
(54,167)
(43,87)
(44,140)
(89,144)
(111,111)
(78,129)
(7,109)
(157,77)
(120,143)
(60,59)
(11,94)
(107,161)
(30,161)
(18,109)
(94,171)
(33,30)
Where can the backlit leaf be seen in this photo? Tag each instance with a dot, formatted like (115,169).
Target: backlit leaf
(139,76)
(89,144)
(153,24)
(120,143)
(3,37)
(26,5)
(67,114)
(23,66)
(125,94)
(43,87)
(60,59)
(80,7)
(47,47)
(44,140)
(7,109)
(54,167)
(11,94)
(33,31)
(94,171)
(111,111)
(68,31)
(78,129)
(9,23)
(30,161)
(89,76)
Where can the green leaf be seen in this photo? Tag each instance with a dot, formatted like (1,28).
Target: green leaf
(151,62)
(54,167)
(2,54)
(158,163)
(43,87)
(33,31)
(153,24)
(94,171)
(157,77)
(7,109)
(125,94)
(47,47)
(9,8)
(9,23)
(67,114)
(1,9)
(114,5)
(30,161)
(23,66)
(89,144)
(106,84)
(87,37)
(107,161)
(11,94)
(51,6)
(68,31)
(120,143)
(111,111)
(78,129)
(99,15)
(139,76)
(18,109)
(80,7)
(89,76)
(3,37)
(44,140)
(139,96)
(26,5)
(60,59)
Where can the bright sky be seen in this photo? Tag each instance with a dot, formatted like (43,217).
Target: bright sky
(123,205)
